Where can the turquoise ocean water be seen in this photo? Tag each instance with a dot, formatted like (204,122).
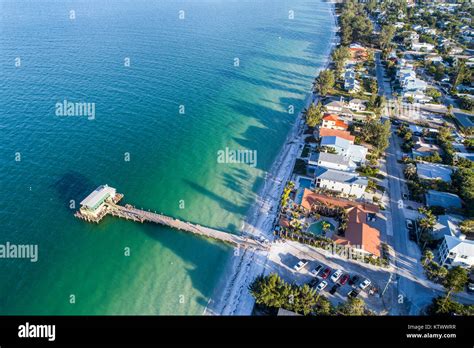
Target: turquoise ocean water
(173,62)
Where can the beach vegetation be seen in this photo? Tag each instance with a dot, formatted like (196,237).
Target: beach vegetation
(325,82)
(314,115)
(273,291)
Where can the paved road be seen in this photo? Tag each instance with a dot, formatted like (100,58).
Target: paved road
(411,291)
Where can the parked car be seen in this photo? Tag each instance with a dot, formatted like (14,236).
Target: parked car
(344,279)
(326,273)
(470,284)
(300,265)
(315,271)
(321,285)
(336,275)
(410,225)
(313,282)
(334,289)
(365,284)
(353,293)
(354,280)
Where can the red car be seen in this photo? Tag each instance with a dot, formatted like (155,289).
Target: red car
(344,279)
(326,273)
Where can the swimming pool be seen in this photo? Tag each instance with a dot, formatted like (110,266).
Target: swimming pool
(302,184)
(317,227)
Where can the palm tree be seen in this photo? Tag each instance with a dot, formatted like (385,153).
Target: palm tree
(428,256)
(325,226)
(410,171)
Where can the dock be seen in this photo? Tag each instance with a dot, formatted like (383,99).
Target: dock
(104,201)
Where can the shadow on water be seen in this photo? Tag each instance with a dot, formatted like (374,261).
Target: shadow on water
(182,244)
(73,185)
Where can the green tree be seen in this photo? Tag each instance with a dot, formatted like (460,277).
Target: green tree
(353,306)
(323,306)
(462,182)
(305,300)
(467,226)
(325,82)
(377,134)
(386,36)
(428,256)
(455,280)
(339,57)
(314,114)
(446,306)
(271,291)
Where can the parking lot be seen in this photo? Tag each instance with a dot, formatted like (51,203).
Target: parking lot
(284,256)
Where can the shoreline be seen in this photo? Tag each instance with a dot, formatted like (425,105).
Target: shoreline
(231,295)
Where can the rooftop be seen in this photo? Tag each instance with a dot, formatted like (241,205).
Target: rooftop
(340,176)
(442,199)
(335,141)
(431,171)
(459,245)
(98,196)
(328,132)
(333,158)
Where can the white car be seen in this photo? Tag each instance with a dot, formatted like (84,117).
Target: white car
(321,285)
(336,275)
(299,266)
(315,271)
(365,284)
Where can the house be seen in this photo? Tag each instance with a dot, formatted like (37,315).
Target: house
(416,130)
(418,96)
(442,199)
(431,171)
(357,153)
(446,225)
(358,53)
(422,46)
(346,148)
(332,161)
(350,82)
(337,143)
(456,251)
(434,58)
(340,181)
(333,122)
(334,106)
(409,82)
(329,132)
(359,234)
(357,105)
(422,149)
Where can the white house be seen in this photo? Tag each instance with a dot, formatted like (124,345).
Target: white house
(422,46)
(357,105)
(344,182)
(356,153)
(350,82)
(333,161)
(333,122)
(334,106)
(456,251)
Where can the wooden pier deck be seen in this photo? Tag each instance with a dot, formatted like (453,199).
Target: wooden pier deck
(131,213)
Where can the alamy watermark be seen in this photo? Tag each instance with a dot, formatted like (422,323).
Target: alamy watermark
(237,156)
(19,251)
(68,108)
(354,252)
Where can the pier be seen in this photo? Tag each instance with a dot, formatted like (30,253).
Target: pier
(104,201)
